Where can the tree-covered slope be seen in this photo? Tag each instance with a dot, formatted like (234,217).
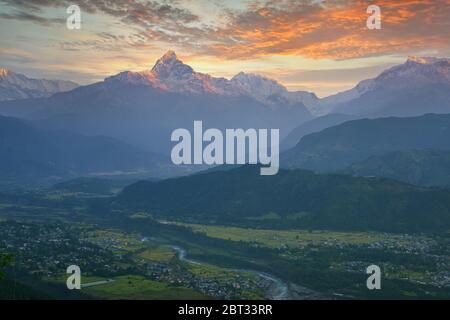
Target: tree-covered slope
(297,198)
(419,167)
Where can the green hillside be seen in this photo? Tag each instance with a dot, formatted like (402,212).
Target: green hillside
(295,198)
(419,167)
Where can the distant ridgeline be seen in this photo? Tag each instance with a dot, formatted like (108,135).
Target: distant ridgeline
(420,167)
(338,147)
(293,198)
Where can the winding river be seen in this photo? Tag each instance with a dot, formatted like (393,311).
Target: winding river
(279,290)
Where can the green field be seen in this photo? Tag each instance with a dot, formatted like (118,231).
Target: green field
(158,253)
(298,238)
(137,287)
(117,240)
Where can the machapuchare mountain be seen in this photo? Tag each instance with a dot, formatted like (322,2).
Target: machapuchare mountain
(336,148)
(421,85)
(172,75)
(15,86)
(144,108)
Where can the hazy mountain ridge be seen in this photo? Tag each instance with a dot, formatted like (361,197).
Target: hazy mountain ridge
(420,85)
(337,147)
(266,90)
(17,86)
(315,125)
(419,167)
(27,153)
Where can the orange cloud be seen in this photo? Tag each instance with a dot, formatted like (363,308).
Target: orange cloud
(333,29)
(314,29)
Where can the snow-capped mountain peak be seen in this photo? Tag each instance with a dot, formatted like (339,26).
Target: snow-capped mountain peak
(4,72)
(420,85)
(271,91)
(18,86)
(426,60)
(170,55)
(415,72)
(259,86)
(169,66)
(170,74)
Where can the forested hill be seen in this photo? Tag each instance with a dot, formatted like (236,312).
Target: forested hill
(293,198)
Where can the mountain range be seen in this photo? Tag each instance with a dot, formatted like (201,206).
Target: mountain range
(374,148)
(420,85)
(143,108)
(18,86)
(169,74)
(337,147)
(171,95)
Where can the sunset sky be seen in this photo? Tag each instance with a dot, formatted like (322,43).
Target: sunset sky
(319,46)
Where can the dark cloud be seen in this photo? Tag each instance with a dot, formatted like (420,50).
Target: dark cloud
(30,5)
(151,20)
(29,17)
(138,12)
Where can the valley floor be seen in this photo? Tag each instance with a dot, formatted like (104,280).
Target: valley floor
(140,257)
